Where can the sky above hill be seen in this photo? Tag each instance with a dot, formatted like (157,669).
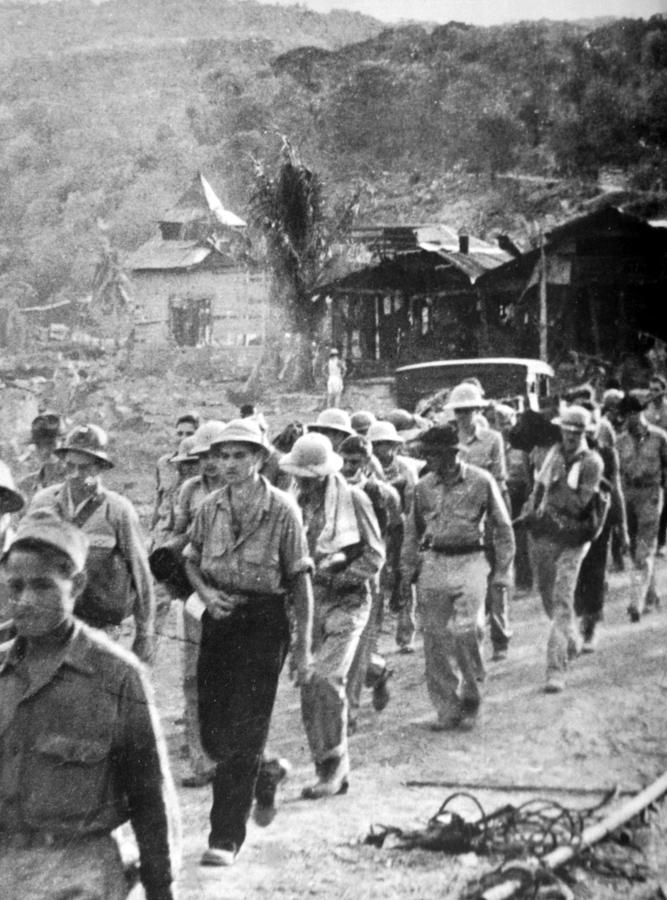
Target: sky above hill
(484,12)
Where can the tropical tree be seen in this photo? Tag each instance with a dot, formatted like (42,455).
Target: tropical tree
(288,208)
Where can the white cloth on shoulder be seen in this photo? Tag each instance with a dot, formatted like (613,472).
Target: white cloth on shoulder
(340,522)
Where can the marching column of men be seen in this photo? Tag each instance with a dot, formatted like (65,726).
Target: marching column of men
(269,552)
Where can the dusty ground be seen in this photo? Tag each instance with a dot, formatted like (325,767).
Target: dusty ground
(607,729)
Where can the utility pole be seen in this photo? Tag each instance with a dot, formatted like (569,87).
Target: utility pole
(543,322)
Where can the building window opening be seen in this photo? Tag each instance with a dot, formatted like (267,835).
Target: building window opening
(190,321)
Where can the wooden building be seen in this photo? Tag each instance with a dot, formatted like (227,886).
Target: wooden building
(604,278)
(193,285)
(416,302)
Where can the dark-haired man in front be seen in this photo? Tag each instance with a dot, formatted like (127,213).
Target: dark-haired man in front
(80,746)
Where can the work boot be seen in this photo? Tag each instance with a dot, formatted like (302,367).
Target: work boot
(381,694)
(331,780)
(555,685)
(272,772)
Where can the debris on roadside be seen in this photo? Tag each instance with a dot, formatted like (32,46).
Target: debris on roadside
(535,840)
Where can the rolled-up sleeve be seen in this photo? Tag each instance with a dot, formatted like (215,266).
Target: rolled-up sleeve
(294,555)
(414,531)
(503,534)
(196,536)
(132,545)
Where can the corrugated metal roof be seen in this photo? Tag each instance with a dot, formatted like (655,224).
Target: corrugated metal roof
(159,254)
(474,263)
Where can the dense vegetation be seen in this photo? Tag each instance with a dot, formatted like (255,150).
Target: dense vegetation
(110,108)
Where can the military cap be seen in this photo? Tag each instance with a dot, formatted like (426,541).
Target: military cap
(47,528)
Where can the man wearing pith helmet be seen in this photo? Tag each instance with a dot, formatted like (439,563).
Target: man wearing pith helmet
(444,552)
(80,746)
(334,424)
(564,488)
(402,474)
(192,494)
(483,447)
(118,577)
(247,560)
(345,543)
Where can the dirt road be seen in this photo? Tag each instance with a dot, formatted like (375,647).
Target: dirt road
(607,729)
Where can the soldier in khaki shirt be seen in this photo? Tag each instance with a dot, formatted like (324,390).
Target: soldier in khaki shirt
(642,453)
(443,551)
(483,447)
(80,747)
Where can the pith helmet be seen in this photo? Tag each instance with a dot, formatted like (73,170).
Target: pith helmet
(362,420)
(242,431)
(206,435)
(465,396)
(184,453)
(383,431)
(332,419)
(10,499)
(90,440)
(401,419)
(574,418)
(312,456)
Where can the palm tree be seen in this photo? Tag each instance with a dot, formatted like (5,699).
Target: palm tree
(288,208)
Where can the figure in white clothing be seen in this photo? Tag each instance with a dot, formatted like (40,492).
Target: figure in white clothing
(335,374)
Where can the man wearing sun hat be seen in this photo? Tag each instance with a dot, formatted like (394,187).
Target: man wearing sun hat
(642,453)
(345,543)
(484,447)
(334,424)
(81,752)
(559,520)
(247,560)
(402,474)
(444,553)
(118,577)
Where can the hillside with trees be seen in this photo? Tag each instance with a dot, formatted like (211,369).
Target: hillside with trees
(108,110)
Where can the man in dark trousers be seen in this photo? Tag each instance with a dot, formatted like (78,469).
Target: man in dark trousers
(80,747)
(247,560)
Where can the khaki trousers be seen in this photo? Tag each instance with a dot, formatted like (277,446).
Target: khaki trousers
(339,621)
(451,595)
(644,506)
(88,869)
(556,569)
